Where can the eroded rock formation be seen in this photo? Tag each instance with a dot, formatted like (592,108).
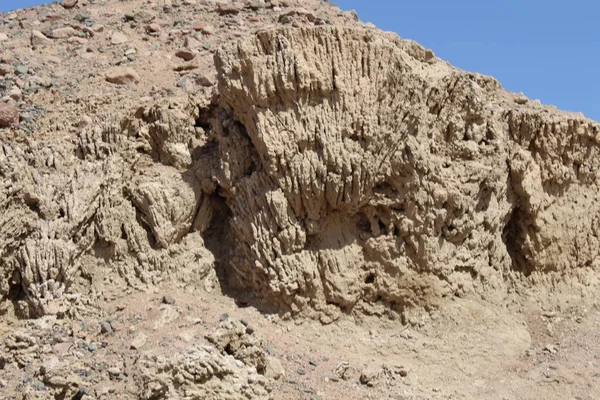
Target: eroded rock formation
(333,169)
(359,169)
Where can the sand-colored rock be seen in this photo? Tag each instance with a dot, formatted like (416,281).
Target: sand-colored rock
(62,33)
(304,165)
(39,39)
(371,193)
(122,75)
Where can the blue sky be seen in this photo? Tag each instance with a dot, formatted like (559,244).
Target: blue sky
(547,49)
(7,5)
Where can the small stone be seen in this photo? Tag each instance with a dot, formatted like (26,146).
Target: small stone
(77,40)
(521,99)
(114,371)
(549,348)
(5,69)
(244,321)
(9,115)
(301,372)
(121,76)
(37,385)
(118,38)
(250,330)
(192,43)
(313,363)
(144,16)
(105,327)
(3,37)
(15,94)
(138,341)
(68,4)
(91,347)
(39,39)
(229,9)
(370,375)
(153,28)
(204,28)
(168,299)
(21,69)
(62,33)
(205,81)
(223,317)
(274,368)
(185,55)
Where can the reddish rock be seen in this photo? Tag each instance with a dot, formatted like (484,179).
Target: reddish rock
(229,9)
(9,115)
(186,55)
(68,4)
(153,28)
(191,43)
(204,28)
(205,80)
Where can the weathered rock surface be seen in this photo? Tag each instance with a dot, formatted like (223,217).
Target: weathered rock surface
(329,168)
(201,372)
(359,169)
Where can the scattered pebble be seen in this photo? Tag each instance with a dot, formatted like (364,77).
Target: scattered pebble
(105,327)
(122,75)
(9,115)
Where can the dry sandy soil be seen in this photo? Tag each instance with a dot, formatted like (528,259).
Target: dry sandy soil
(270,199)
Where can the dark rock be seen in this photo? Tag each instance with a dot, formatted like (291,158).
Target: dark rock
(105,327)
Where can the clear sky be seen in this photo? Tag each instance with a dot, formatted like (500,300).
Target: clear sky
(8,5)
(547,49)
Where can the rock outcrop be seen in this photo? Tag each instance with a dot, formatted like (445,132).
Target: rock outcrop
(332,169)
(359,169)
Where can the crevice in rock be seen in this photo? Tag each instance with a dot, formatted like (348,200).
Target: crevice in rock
(217,239)
(512,236)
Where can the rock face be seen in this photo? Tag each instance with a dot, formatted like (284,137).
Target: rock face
(331,169)
(359,169)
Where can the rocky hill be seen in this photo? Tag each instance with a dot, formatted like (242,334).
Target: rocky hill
(192,189)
